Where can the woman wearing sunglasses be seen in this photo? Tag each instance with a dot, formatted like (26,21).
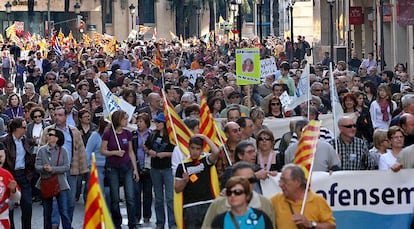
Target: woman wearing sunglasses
(240,215)
(51,159)
(275,108)
(267,158)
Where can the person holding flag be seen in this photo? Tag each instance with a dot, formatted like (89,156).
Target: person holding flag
(194,180)
(121,166)
(287,205)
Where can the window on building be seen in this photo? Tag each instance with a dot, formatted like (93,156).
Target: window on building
(248,16)
(146,11)
(108,11)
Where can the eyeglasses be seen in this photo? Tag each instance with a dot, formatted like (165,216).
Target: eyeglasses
(275,104)
(349,126)
(51,135)
(236,192)
(51,108)
(326,83)
(85,102)
(37,116)
(264,139)
(317,89)
(51,78)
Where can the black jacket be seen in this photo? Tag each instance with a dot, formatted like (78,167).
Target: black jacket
(10,150)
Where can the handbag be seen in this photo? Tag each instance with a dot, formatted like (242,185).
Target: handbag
(49,187)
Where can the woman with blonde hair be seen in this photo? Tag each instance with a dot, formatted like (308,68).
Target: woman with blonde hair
(382,108)
(396,137)
(381,145)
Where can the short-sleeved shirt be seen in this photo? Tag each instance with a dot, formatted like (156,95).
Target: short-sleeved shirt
(124,138)
(198,189)
(355,155)
(317,209)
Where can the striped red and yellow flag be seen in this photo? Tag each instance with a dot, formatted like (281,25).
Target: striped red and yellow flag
(178,132)
(307,146)
(61,37)
(208,125)
(96,212)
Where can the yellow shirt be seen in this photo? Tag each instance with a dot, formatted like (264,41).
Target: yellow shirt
(316,209)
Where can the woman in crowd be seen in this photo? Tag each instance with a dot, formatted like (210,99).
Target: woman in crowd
(382,108)
(257,115)
(52,159)
(160,149)
(362,118)
(14,108)
(50,112)
(381,145)
(94,146)
(275,108)
(121,166)
(360,98)
(85,126)
(396,137)
(240,215)
(30,94)
(216,106)
(370,90)
(144,185)
(267,158)
(56,96)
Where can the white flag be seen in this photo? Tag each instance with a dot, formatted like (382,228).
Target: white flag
(112,103)
(302,91)
(335,102)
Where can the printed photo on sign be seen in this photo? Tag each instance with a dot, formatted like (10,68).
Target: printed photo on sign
(248,65)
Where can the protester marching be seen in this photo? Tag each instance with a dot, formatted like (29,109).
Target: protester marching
(200,128)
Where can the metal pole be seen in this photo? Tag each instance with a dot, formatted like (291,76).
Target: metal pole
(49,33)
(291,25)
(240,23)
(382,34)
(260,22)
(132,22)
(331,31)
(8,19)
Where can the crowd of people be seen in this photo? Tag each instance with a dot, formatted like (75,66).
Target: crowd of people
(52,120)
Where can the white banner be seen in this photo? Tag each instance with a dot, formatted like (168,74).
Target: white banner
(268,67)
(362,199)
(192,75)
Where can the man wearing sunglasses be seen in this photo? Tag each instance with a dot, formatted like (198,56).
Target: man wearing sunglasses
(352,151)
(220,205)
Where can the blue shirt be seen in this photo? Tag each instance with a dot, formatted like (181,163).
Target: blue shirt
(20,153)
(68,141)
(140,148)
(250,220)
(94,146)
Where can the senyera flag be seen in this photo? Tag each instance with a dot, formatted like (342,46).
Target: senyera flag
(208,125)
(305,152)
(96,212)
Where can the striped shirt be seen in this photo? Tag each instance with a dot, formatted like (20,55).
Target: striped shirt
(355,155)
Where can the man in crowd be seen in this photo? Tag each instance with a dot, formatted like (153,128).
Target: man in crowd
(233,134)
(353,151)
(154,107)
(20,163)
(247,129)
(76,151)
(195,181)
(287,205)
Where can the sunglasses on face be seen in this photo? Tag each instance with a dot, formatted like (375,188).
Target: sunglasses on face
(275,104)
(263,139)
(349,126)
(37,116)
(236,192)
(50,134)
(51,78)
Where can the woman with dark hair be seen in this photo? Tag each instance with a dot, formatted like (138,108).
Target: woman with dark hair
(275,108)
(56,96)
(52,159)
(121,166)
(198,85)
(14,109)
(93,145)
(144,185)
(85,126)
(215,105)
(382,108)
(370,90)
(362,117)
(267,158)
(240,215)
(159,147)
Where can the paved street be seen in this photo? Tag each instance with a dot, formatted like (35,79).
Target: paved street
(37,218)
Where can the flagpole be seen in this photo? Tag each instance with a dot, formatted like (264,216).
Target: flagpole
(305,197)
(179,60)
(172,126)
(222,142)
(309,88)
(332,89)
(116,137)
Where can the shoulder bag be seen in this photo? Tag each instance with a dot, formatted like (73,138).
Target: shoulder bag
(49,187)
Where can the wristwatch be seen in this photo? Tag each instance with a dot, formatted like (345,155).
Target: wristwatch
(313,224)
